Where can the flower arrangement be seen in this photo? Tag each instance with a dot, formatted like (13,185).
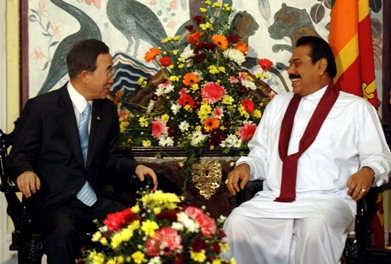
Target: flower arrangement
(206,100)
(158,230)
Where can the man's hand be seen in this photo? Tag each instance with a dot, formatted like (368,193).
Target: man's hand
(28,183)
(241,172)
(142,170)
(360,183)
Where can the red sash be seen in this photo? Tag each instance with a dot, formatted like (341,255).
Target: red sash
(289,167)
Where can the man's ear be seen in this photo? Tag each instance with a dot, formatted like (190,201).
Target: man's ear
(83,76)
(322,65)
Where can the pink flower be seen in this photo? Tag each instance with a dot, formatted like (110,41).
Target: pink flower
(166,240)
(117,220)
(43,9)
(247,131)
(57,30)
(208,225)
(218,112)
(158,128)
(174,4)
(171,25)
(212,92)
(37,55)
(233,79)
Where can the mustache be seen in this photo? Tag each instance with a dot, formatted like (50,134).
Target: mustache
(294,76)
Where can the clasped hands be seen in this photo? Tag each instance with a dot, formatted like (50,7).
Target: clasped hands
(358,183)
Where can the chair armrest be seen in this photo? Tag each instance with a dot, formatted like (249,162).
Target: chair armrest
(249,191)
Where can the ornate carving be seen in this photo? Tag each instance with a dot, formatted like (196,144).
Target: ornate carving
(207,176)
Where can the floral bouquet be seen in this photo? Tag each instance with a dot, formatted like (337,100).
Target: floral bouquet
(205,100)
(158,230)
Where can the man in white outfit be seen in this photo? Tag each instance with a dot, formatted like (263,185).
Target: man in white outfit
(318,150)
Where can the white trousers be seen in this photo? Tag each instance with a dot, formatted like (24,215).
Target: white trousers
(284,241)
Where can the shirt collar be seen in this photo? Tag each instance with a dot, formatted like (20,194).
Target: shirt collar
(316,95)
(77,99)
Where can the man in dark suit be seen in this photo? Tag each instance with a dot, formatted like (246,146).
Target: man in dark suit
(47,162)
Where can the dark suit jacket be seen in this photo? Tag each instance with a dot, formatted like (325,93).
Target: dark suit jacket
(47,142)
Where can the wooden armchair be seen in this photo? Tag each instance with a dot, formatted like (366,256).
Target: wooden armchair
(358,249)
(28,244)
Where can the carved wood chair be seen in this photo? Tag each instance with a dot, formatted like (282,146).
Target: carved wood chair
(27,243)
(358,249)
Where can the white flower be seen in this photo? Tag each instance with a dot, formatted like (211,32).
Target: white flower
(197,138)
(155,260)
(159,90)
(150,106)
(188,223)
(166,141)
(231,141)
(175,108)
(235,55)
(177,226)
(187,53)
(199,74)
(184,126)
(250,85)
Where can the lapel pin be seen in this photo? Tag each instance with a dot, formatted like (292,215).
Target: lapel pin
(98,117)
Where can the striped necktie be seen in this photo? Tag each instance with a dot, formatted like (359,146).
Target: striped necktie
(86,194)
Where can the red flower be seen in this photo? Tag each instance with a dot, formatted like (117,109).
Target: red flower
(165,61)
(166,240)
(190,28)
(233,39)
(216,247)
(185,100)
(212,92)
(198,19)
(168,215)
(246,132)
(248,105)
(265,64)
(194,38)
(208,225)
(117,220)
(198,244)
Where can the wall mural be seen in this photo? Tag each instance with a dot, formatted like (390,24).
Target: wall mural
(131,27)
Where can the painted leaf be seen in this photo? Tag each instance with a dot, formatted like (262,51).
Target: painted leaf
(317,13)
(264,8)
(328,3)
(375,5)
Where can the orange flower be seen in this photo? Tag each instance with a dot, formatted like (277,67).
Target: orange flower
(241,46)
(151,54)
(211,123)
(194,38)
(118,94)
(190,78)
(220,41)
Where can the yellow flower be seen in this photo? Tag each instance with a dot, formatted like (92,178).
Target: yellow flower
(135,209)
(149,227)
(257,113)
(232,261)
(147,143)
(203,10)
(126,234)
(216,261)
(103,241)
(140,80)
(96,236)
(228,100)
(217,4)
(120,259)
(157,210)
(195,87)
(243,112)
(213,69)
(165,118)
(111,261)
(206,26)
(198,256)
(143,122)
(116,240)
(135,225)
(224,247)
(221,69)
(138,257)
